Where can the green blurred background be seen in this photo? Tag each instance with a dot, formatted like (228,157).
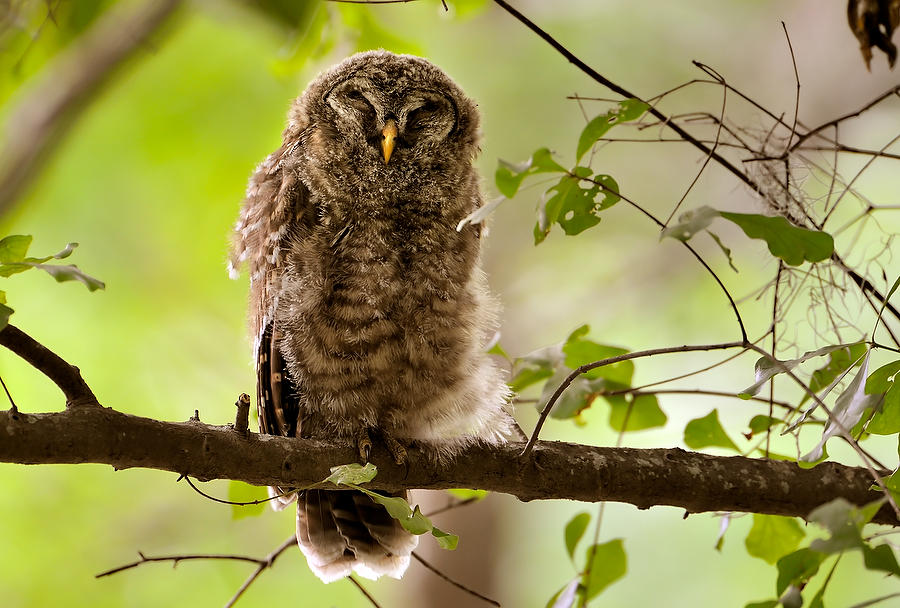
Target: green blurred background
(150,181)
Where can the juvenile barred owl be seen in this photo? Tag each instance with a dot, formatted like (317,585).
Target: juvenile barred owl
(369,311)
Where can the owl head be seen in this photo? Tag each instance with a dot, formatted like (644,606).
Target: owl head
(384,118)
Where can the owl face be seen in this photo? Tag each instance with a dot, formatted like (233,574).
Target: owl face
(379,115)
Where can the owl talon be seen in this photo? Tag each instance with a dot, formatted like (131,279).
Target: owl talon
(364,444)
(398,452)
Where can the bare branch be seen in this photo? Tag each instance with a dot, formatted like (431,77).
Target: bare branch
(67,377)
(554,470)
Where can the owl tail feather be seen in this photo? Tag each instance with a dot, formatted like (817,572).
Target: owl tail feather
(340,531)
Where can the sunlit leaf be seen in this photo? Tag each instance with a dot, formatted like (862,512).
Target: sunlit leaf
(353,473)
(466,494)
(607,563)
(626,111)
(444,539)
(14,248)
(574,531)
(792,244)
(883,378)
(773,536)
(707,432)
(238,491)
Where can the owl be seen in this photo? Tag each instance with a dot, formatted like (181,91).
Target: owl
(369,312)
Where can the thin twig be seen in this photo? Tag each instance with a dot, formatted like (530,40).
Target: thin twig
(797,97)
(628,356)
(175,559)
(230,502)
(362,590)
(290,541)
(456,584)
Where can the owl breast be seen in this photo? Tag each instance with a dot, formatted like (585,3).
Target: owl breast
(380,318)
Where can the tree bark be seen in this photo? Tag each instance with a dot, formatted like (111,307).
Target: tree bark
(643,477)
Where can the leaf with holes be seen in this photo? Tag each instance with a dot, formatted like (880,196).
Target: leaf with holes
(574,206)
(627,110)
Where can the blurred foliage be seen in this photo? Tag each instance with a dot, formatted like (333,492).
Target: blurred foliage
(150,182)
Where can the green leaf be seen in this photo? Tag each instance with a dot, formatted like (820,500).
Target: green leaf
(14,248)
(707,432)
(466,494)
(607,563)
(792,244)
(763,604)
(773,536)
(642,412)
(690,223)
(535,367)
(238,491)
(509,176)
(880,558)
(797,568)
(883,378)
(577,397)
(574,207)
(5,313)
(574,531)
(353,473)
(580,351)
(760,424)
(627,110)
(496,349)
(844,522)
(445,540)
(887,420)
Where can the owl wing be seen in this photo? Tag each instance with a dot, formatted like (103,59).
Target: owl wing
(276,211)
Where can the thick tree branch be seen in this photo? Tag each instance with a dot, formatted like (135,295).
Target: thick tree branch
(692,481)
(67,377)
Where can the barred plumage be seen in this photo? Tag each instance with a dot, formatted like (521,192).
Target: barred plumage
(367,305)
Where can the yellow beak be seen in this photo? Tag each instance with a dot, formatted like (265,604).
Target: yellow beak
(388,137)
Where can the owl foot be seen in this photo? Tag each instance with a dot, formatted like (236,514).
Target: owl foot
(398,452)
(364,444)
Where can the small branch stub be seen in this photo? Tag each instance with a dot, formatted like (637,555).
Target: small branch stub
(242,418)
